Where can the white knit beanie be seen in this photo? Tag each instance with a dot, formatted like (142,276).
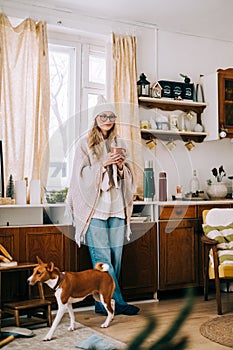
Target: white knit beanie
(102,106)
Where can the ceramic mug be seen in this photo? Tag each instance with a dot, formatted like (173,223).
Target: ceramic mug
(119,150)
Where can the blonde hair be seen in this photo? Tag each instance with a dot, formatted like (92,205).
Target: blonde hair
(96,139)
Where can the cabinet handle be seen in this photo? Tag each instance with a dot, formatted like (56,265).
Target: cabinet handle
(179,212)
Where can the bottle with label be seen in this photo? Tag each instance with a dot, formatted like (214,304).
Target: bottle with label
(162,186)
(194,183)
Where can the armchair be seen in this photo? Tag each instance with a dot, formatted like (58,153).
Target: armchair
(217,249)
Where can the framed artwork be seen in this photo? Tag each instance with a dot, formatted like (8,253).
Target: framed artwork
(174,122)
(1,171)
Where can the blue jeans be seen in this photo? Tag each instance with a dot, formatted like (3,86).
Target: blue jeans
(105,239)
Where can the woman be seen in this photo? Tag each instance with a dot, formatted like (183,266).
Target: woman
(101,198)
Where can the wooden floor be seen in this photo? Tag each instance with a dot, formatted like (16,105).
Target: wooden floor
(125,328)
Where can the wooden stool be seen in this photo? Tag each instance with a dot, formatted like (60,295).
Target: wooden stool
(39,308)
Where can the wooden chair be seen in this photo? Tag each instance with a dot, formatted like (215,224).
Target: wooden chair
(37,310)
(215,271)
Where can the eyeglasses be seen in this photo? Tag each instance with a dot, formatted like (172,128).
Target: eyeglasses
(105,117)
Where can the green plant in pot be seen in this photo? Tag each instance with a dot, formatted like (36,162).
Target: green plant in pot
(217,189)
(56,196)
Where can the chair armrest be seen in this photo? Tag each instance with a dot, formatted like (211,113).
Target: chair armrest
(208,241)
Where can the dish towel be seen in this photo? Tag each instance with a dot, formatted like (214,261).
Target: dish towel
(95,342)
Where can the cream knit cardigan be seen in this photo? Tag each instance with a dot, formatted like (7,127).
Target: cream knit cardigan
(84,189)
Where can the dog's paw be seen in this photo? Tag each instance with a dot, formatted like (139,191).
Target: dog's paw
(46,338)
(73,326)
(104,325)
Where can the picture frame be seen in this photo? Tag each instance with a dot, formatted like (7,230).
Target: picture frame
(174,122)
(2,190)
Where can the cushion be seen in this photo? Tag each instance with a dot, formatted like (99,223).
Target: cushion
(224,236)
(219,216)
(224,271)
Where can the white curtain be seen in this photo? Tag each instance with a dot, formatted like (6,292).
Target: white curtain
(124,77)
(25,99)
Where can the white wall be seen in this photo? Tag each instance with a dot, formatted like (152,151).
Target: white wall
(178,53)
(161,55)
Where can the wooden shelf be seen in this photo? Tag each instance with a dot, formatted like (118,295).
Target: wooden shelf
(172,105)
(147,134)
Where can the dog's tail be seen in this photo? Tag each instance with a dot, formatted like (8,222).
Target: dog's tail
(100,266)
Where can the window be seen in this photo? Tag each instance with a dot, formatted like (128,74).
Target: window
(77,77)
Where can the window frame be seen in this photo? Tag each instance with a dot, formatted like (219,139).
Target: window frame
(82,86)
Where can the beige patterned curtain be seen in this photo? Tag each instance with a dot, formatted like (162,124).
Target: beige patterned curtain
(124,77)
(25,99)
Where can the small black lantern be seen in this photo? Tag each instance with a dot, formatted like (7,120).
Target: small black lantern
(143,86)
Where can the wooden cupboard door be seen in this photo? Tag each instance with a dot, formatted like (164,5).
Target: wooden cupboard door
(139,263)
(47,242)
(50,244)
(178,254)
(9,238)
(11,286)
(225,96)
(84,258)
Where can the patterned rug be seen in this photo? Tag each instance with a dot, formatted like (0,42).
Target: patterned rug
(219,330)
(63,339)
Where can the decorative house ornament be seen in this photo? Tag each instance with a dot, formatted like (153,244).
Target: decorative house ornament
(166,88)
(156,90)
(187,88)
(143,86)
(177,90)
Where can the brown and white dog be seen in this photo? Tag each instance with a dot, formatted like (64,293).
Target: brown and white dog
(72,287)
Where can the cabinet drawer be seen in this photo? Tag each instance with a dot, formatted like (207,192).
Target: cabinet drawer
(177,212)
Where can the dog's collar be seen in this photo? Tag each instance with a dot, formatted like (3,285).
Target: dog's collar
(59,280)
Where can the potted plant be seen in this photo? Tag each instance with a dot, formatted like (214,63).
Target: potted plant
(217,189)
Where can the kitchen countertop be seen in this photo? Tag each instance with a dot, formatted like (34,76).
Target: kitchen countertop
(186,202)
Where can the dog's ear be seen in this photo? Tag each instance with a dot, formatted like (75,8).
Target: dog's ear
(50,266)
(39,260)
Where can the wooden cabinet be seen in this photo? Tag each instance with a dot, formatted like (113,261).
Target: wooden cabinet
(56,243)
(178,254)
(225,102)
(178,248)
(172,105)
(175,263)
(218,115)
(50,243)
(138,278)
(139,263)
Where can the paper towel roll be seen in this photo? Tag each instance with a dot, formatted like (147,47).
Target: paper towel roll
(20,192)
(35,192)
